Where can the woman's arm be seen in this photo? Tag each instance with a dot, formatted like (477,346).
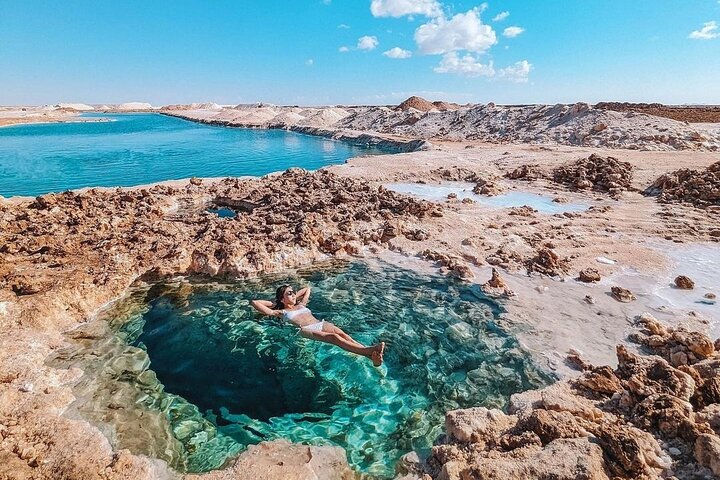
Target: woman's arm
(264,307)
(303,295)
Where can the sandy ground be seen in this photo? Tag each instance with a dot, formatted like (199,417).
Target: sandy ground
(29,115)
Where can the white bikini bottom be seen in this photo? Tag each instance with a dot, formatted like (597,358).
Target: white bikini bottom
(313,327)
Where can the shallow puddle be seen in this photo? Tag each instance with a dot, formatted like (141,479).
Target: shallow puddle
(210,376)
(222,212)
(440,192)
(700,262)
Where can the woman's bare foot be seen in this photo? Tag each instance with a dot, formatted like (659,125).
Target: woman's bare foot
(377,355)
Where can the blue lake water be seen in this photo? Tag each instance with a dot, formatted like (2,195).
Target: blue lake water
(136,149)
(224,377)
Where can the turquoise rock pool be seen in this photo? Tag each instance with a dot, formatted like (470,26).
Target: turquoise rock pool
(189,373)
(141,148)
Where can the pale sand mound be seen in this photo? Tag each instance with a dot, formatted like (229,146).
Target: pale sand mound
(80,107)
(417,103)
(134,106)
(287,119)
(257,116)
(325,118)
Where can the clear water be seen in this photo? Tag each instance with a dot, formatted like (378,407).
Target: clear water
(136,149)
(439,193)
(225,377)
(223,212)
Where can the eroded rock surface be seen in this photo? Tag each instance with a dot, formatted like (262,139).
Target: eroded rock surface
(608,423)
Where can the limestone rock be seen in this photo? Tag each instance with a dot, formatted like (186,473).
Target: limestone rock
(600,380)
(630,452)
(563,459)
(496,285)
(684,283)
(589,275)
(622,294)
(707,452)
(550,425)
(668,415)
(606,174)
(547,262)
(280,460)
(478,425)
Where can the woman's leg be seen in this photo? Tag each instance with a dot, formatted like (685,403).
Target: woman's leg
(375,353)
(332,328)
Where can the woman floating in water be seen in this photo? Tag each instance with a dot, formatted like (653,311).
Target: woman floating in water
(291,306)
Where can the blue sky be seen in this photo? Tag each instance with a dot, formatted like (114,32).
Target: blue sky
(289,51)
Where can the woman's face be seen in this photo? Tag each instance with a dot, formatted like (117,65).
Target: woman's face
(289,296)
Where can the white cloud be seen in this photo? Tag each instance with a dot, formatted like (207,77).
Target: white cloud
(400,8)
(343,49)
(512,32)
(501,16)
(707,32)
(367,43)
(309,62)
(466,66)
(343,25)
(517,72)
(397,52)
(464,31)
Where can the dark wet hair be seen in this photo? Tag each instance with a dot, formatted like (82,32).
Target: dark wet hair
(279,294)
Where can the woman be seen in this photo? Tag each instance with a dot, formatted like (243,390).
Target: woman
(291,306)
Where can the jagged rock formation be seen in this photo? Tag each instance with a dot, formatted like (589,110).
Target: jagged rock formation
(643,420)
(698,187)
(684,283)
(604,174)
(496,286)
(691,114)
(589,275)
(577,124)
(622,295)
(547,262)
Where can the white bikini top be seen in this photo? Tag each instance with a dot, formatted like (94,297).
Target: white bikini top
(290,314)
